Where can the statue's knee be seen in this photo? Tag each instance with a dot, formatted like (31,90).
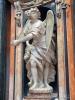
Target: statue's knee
(47,64)
(33,63)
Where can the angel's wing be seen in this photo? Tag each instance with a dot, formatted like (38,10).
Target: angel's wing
(49,27)
(49,43)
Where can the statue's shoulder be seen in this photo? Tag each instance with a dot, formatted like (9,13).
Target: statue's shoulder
(39,23)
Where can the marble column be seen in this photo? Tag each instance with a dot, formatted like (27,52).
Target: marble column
(18,65)
(12,55)
(71,47)
(61,53)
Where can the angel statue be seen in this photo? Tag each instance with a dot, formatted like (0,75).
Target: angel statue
(40,55)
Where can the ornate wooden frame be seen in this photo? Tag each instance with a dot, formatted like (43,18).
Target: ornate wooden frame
(61,57)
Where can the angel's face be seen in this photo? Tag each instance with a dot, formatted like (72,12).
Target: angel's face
(33,15)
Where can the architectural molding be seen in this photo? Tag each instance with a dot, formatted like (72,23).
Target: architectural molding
(31,2)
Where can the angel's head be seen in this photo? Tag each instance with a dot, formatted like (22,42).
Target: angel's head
(33,13)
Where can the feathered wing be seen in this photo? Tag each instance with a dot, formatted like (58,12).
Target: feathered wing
(49,22)
(49,27)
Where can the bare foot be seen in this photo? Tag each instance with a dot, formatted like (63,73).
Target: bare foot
(49,87)
(41,85)
(34,86)
(30,83)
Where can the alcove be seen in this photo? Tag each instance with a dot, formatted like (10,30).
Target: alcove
(43,10)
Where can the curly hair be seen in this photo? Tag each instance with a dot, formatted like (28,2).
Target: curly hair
(36,10)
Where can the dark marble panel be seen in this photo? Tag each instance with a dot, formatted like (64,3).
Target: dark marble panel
(2,48)
(74,28)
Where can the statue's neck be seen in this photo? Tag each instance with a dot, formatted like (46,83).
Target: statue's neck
(34,21)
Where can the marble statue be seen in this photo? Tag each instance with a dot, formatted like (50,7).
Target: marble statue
(40,55)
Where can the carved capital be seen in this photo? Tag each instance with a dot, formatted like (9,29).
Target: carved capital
(61,6)
(17,13)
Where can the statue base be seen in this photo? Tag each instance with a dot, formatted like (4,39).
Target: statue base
(39,94)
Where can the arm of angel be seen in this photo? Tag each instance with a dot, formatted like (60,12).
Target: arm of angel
(23,39)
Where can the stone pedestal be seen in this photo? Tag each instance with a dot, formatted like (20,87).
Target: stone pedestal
(38,95)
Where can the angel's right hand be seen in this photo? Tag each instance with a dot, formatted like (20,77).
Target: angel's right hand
(14,42)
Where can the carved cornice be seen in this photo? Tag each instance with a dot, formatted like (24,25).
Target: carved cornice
(31,2)
(12,1)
